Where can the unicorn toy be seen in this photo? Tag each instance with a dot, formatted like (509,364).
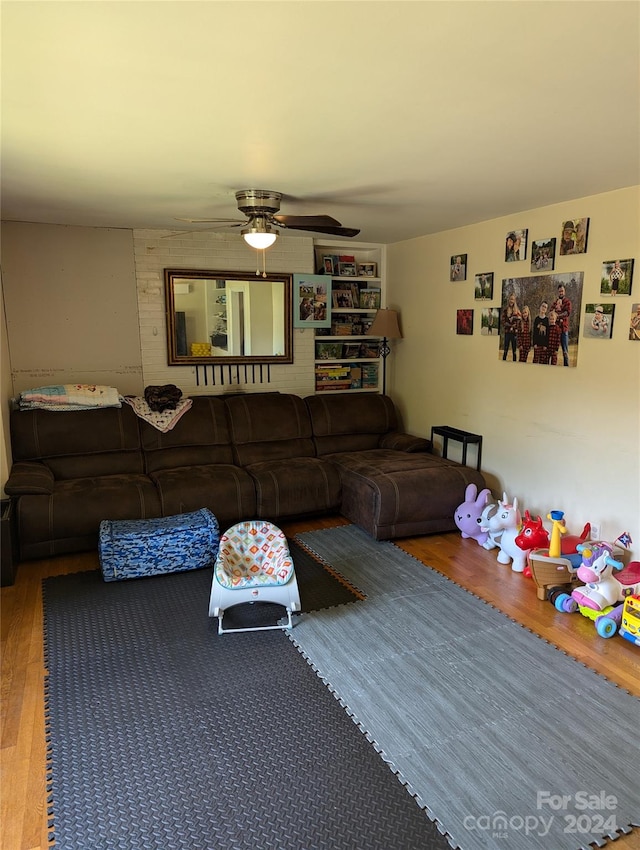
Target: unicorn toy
(503,526)
(602,587)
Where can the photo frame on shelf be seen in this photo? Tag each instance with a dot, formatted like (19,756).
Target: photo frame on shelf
(458,268)
(370,299)
(616,277)
(464,322)
(367,269)
(311,307)
(483,286)
(346,269)
(598,321)
(543,255)
(329,264)
(515,246)
(342,298)
(328,350)
(573,239)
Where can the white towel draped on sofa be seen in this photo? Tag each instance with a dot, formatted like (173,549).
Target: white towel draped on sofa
(164,421)
(70,397)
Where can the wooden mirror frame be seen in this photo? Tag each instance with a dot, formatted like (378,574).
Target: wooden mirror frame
(200,278)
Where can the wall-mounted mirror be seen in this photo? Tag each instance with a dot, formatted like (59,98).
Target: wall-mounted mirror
(228,317)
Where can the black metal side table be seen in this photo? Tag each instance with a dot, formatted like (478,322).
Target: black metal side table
(465,437)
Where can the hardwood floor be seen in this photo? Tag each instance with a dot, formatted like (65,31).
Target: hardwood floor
(23,814)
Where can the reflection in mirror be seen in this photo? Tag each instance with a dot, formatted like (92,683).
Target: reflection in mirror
(228,317)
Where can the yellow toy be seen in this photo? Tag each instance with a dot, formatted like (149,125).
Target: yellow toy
(630,623)
(558,529)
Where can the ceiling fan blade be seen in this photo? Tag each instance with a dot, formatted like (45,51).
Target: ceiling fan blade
(308,221)
(209,220)
(334,231)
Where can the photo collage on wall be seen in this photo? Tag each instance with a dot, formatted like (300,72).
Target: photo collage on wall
(538,318)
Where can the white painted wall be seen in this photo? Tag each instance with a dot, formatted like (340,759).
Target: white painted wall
(70,306)
(216,251)
(554,437)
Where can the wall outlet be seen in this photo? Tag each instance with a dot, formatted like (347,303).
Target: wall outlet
(595,531)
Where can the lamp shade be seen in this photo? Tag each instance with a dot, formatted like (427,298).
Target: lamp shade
(260,234)
(385,324)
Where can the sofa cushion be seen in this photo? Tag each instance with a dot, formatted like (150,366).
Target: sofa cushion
(297,487)
(78,443)
(200,436)
(395,494)
(27,477)
(350,423)
(269,426)
(69,519)
(226,490)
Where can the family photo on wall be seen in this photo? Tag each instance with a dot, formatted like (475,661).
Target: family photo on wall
(540,319)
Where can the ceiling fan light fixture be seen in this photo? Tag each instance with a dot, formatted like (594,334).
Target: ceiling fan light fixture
(260,235)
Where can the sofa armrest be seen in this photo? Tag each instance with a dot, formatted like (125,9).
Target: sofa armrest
(405,442)
(29,479)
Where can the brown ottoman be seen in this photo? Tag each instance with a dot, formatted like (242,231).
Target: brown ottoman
(398,494)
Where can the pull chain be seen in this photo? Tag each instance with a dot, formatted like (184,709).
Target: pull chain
(264,264)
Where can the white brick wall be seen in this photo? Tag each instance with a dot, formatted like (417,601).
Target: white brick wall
(215,251)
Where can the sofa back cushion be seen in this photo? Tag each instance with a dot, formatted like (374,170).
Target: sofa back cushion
(201,436)
(79,443)
(350,423)
(269,426)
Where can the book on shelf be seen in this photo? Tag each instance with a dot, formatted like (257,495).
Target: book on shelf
(332,371)
(333,386)
(369,375)
(355,371)
(350,350)
(334,377)
(370,349)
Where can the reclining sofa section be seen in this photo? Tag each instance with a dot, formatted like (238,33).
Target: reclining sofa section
(270,456)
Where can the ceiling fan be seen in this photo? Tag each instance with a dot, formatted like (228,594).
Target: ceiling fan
(261,207)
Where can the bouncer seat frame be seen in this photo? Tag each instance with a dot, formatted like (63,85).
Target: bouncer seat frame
(253,565)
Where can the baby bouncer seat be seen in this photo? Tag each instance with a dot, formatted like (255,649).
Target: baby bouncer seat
(253,565)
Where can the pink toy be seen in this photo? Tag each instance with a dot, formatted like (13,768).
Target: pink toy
(602,587)
(468,515)
(503,527)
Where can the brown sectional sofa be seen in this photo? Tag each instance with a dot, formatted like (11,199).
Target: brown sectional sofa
(272,456)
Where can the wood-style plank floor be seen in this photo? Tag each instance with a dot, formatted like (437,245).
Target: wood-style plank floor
(23,820)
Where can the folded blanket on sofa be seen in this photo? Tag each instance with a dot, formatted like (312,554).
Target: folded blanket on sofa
(70,397)
(164,421)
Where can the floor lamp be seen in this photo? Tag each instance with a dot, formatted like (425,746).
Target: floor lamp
(385,324)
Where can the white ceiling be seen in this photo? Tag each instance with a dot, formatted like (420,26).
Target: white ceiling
(400,118)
